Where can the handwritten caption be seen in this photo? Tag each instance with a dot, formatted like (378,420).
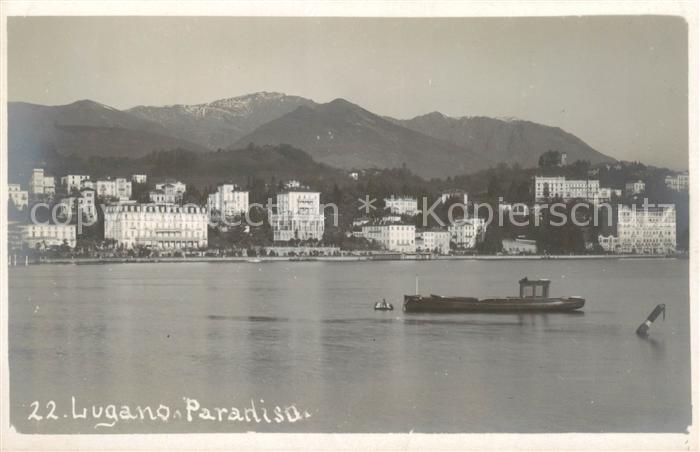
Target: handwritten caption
(191,410)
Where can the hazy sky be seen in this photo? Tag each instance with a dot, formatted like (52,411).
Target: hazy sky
(618,83)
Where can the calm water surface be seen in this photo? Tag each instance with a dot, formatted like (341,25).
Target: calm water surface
(305,334)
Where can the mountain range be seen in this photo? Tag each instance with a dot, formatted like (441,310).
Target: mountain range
(338,133)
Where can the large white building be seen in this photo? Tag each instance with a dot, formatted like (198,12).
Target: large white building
(467,233)
(679,182)
(519,245)
(40,184)
(643,231)
(18,197)
(119,188)
(547,188)
(298,216)
(85,203)
(73,182)
(433,240)
(403,205)
(392,237)
(156,226)
(45,235)
(228,200)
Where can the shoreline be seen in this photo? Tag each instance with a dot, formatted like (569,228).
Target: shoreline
(371,258)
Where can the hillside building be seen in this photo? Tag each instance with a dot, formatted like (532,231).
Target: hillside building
(41,184)
(403,205)
(18,197)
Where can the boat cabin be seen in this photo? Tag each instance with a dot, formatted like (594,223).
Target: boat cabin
(534,288)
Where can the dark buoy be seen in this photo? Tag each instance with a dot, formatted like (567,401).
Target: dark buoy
(643,329)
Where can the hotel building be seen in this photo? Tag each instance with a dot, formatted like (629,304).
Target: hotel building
(228,200)
(433,240)
(156,226)
(640,231)
(73,182)
(119,188)
(679,182)
(404,205)
(298,216)
(392,237)
(519,245)
(467,233)
(85,203)
(45,235)
(40,184)
(548,188)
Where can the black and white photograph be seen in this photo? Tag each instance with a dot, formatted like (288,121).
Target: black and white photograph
(295,222)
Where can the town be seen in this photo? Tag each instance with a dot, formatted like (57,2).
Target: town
(76,215)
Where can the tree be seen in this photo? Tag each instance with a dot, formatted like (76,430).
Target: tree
(549,159)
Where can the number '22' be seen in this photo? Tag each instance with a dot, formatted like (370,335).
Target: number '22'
(50,408)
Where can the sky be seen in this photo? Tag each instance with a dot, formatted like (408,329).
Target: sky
(618,83)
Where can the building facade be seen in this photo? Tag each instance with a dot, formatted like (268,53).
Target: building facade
(73,181)
(467,233)
(156,226)
(167,194)
(298,216)
(400,238)
(119,188)
(87,184)
(457,194)
(228,200)
(548,188)
(139,178)
(646,231)
(46,235)
(678,182)
(433,240)
(404,205)
(173,190)
(608,243)
(634,187)
(85,203)
(519,245)
(18,197)
(41,184)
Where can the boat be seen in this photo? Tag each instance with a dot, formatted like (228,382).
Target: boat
(383,306)
(533,297)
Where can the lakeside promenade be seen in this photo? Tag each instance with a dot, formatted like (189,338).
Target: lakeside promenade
(367,258)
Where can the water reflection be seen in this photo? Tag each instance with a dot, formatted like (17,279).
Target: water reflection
(307,333)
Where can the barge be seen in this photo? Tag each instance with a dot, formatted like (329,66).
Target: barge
(533,297)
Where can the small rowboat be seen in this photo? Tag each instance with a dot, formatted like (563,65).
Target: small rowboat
(383,306)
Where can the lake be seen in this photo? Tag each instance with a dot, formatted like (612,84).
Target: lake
(299,344)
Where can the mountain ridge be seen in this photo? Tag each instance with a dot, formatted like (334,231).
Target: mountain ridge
(508,140)
(342,134)
(338,133)
(221,122)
